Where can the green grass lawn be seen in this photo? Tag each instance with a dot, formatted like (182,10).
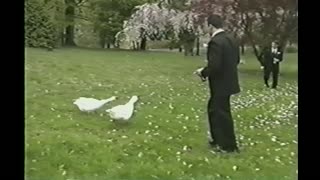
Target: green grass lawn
(63,143)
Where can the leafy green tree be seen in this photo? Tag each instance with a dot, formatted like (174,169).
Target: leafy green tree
(40,30)
(109,17)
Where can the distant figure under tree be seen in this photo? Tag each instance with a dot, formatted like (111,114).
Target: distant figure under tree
(271,58)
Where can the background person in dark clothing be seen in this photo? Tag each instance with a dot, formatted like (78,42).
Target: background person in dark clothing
(223,58)
(271,57)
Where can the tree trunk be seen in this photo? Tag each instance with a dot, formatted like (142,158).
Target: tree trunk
(254,47)
(191,51)
(70,36)
(188,49)
(134,45)
(257,54)
(198,47)
(242,48)
(143,44)
(108,45)
(180,49)
(69,13)
(189,45)
(102,43)
(255,50)
(185,50)
(102,38)
(62,38)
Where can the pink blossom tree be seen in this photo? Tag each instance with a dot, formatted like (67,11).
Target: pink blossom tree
(156,21)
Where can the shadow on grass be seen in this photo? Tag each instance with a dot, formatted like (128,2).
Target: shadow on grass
(120,123)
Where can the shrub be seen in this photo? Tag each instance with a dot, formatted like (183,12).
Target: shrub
(40,30)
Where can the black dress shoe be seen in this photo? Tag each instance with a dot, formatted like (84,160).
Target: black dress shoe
(217,148)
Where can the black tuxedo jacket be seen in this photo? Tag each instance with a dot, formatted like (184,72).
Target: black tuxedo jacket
(267,56)
(223,58)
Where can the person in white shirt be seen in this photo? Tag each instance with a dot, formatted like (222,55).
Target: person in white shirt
(271,58)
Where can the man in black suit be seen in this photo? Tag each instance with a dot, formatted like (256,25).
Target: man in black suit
(271,57)
(223,58)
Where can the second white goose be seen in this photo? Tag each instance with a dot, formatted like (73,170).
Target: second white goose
(123,112)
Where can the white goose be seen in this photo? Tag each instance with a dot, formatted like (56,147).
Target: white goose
(123,112)
(91,104)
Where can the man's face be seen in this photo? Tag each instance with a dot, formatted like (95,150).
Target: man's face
(206,29)
(209,29)
(273,45)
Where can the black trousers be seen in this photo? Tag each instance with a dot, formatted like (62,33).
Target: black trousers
(221,123)
(274,69)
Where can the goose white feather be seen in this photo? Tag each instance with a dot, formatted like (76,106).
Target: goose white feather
(123,112)
(90,104)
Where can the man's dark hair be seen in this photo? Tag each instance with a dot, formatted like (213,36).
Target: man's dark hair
(215,20)
(276,42)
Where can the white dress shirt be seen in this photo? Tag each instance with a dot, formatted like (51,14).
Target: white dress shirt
(217,32)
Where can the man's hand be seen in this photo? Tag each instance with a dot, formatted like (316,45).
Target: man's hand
(261,67)
(275,60)
(198,72)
